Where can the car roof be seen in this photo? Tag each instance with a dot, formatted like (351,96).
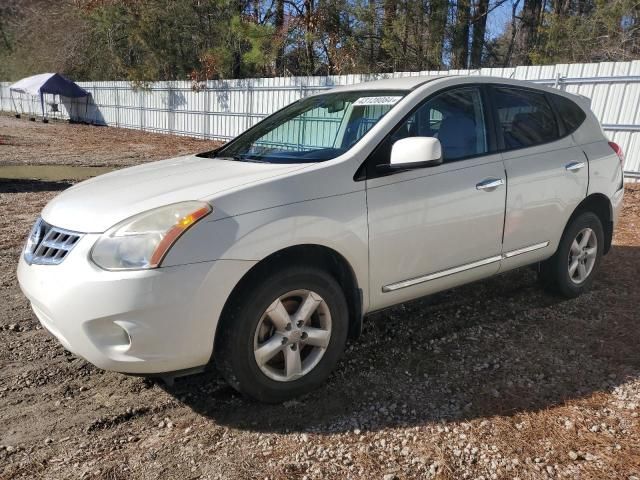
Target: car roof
(399,83)
(413,82)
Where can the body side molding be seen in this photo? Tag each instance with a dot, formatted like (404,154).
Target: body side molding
(451,271)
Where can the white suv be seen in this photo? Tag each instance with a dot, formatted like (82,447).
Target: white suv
(264,255)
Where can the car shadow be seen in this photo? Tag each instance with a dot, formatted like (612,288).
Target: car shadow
(497,347)
(10,185)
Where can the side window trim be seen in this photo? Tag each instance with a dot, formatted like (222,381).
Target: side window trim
(497,129)
(367,171)
(490,118)
(562,131)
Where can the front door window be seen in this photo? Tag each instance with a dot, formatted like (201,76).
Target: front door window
(455,117)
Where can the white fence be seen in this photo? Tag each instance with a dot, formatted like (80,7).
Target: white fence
(224,108)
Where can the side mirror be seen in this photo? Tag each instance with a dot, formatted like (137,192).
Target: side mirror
(415,152)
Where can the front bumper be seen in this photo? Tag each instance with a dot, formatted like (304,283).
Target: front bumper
(142,322)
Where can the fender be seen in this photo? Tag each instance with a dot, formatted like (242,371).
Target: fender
(337,222)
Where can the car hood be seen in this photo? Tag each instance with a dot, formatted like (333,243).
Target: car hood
(97,204)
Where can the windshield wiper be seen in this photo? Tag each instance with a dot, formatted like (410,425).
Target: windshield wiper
(239,158)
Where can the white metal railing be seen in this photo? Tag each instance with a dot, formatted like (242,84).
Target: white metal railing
(224,108)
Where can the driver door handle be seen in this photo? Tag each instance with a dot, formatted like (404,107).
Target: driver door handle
(489,184)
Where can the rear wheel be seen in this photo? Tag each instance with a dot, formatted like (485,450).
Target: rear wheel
(572,268)
(285,336)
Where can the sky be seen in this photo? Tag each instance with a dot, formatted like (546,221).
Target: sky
(498,18)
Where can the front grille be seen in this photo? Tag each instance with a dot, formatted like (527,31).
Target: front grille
(49,245)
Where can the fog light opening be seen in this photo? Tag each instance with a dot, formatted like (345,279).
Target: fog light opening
(108,334)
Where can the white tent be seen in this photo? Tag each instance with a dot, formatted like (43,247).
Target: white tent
(46,83)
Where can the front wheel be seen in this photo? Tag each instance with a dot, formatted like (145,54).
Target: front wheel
(572,268)
(284,335)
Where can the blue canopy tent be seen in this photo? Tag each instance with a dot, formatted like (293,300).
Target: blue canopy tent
(47,83)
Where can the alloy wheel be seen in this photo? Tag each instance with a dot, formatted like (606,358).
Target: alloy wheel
(582,255)
(292,335)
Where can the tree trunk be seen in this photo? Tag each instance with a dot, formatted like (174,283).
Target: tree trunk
(371,33)
(526,37)
(278,23)
(461,34)
(405,45)
(308,23)
(584,7)
(514,31)
(418,35)
(479,29)
(385,63)
(561,7)
(236,67)
(438,28)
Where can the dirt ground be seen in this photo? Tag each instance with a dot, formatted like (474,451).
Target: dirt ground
(57,143)
(492,380)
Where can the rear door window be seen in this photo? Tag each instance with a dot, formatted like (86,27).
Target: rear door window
(524,117)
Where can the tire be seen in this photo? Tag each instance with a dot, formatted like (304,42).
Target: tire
(555,273)
(255,319)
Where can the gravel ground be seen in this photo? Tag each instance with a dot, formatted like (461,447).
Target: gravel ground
(491,380)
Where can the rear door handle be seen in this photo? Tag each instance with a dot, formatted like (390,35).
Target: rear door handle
(490,184)
(574,166)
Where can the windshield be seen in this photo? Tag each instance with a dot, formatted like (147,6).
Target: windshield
(312,130)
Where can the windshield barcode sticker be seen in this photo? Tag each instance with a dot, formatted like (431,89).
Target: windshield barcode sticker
(364,101)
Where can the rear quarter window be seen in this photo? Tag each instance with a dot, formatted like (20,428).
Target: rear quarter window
(571,114)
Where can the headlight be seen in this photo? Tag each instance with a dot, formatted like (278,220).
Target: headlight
(143,240)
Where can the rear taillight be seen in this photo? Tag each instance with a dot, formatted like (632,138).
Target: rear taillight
(616,148)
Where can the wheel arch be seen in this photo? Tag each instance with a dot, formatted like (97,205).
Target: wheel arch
(319,256)
(599,204)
